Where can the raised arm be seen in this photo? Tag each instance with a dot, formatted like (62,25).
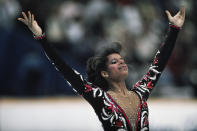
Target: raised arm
(146,84)
(72,76)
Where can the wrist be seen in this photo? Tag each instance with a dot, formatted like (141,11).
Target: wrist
(174,26)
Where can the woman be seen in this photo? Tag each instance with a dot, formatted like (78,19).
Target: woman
(117,107)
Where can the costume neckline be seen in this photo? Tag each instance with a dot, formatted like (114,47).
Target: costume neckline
(121,110)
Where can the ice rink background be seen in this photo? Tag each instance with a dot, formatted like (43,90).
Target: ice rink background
(72,25)
(75,114)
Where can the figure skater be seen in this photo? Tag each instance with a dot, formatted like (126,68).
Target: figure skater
(117,108)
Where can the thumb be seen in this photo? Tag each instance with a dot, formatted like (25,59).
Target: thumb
(35,22)
(169,15)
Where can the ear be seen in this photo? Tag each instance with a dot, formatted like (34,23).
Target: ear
(104,74)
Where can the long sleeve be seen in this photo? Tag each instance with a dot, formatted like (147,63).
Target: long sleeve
(73,78)
(108,112)
(149,80)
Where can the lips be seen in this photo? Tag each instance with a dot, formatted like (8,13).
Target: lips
(124,67)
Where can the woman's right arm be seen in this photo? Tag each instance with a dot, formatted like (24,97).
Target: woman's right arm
(72,76)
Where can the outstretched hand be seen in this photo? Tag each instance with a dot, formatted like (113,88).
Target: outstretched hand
(178,19)
(31,23)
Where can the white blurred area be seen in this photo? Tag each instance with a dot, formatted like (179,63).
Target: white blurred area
(75,114)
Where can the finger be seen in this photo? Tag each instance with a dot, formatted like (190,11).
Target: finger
(29,15)
(22,20)
(168,14)
(178,14)
(182,11)
(32,18)
(35,22)
(25,16)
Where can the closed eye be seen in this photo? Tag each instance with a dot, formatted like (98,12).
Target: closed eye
(122,60)
(114,61)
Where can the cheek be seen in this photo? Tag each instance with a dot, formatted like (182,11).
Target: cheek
(112,68)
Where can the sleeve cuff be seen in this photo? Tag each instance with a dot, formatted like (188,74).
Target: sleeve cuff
(174,26)
(39,37)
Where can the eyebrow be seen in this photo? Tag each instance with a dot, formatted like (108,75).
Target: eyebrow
(117,58)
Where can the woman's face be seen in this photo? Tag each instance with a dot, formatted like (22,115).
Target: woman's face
(117,69)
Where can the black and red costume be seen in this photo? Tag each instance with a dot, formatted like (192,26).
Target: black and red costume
(111,115)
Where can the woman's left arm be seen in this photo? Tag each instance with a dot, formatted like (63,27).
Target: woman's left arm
(146,84)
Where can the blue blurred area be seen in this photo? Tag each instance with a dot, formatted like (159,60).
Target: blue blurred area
(78,28)
(25,71)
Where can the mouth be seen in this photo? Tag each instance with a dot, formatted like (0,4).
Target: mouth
(124,67)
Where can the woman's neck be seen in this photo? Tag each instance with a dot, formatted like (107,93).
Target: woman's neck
(118,87)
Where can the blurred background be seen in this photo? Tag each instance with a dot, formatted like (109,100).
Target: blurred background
(77,28)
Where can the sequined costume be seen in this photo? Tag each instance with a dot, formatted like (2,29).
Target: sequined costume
(107,107)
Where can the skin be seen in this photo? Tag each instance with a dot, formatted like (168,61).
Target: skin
(117,71)
(114,74)
(117,68)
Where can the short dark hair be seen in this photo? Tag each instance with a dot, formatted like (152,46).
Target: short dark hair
(97,63)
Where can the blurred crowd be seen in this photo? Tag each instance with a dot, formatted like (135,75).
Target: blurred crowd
(78,28)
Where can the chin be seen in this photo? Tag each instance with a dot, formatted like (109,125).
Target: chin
(125,74)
